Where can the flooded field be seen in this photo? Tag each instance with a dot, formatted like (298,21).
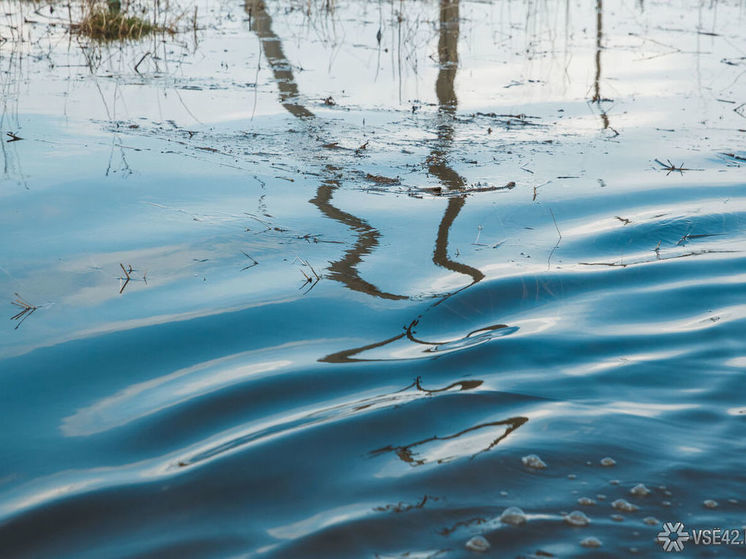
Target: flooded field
(352,279)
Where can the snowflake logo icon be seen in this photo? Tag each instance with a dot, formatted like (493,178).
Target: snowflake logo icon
(673,536)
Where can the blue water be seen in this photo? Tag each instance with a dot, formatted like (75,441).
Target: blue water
(367,278)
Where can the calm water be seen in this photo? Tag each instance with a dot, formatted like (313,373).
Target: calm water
(369,273)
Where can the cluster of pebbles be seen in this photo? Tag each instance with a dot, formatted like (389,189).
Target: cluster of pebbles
(514,516)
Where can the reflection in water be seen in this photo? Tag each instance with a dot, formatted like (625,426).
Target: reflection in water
(292,422)
(597,98)
(345,270)
(452,181)
(261,24)
(437,162)
(471,440)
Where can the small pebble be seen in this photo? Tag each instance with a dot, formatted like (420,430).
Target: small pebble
(571,476)
(513,515)
(586,501)
(601,497)
(651,521)
(590,542)
(503,493)
(608,462)
(478,543)
(639,490)
(625,506)
(614,482)
(533,461)
(577,518)
(710,504)
(617,518)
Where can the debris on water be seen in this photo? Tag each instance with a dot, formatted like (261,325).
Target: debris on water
(571,476)
(577,518)
(608,462)
(513,515)
(639,490)
(624,505)
(27,309)
(710,504)
(586,501)
(665,503)
(614,482)
(601,497)
(651,521)
(478,543)
(533,461)
(617,518)
(590,542)
(381,179)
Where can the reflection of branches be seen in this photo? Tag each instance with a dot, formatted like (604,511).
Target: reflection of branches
(405,452)
(281,68)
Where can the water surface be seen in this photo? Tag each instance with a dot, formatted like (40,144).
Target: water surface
(376,255)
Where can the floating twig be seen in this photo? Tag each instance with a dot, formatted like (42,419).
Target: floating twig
(310,279)
(670,167)
(27,309)
(253,261)
(127,271)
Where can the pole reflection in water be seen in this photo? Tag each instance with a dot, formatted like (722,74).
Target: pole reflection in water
(344,270)
(597,98)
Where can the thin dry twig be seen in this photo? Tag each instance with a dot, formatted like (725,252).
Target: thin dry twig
(27,309)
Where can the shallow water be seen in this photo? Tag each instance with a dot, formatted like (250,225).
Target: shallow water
(368,275)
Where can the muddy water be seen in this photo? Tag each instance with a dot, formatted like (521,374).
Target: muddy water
(311,283)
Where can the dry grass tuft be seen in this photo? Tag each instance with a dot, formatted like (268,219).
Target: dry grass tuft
(101,23)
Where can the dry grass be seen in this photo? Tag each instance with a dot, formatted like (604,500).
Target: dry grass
(101,23)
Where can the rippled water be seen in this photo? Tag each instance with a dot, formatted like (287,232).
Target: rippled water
(369,273)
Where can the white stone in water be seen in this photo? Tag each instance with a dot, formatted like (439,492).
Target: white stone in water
(601,497)
(617,517)
(614,482)
(639,490)
(586,501)
(666,503)
(608,462)
(533,461)
(513,515)
(710,504)
(577,518)
(571,476)
(733,501)
(623,505)
(651,521)
(590,542)
(503,493)
(478,543)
